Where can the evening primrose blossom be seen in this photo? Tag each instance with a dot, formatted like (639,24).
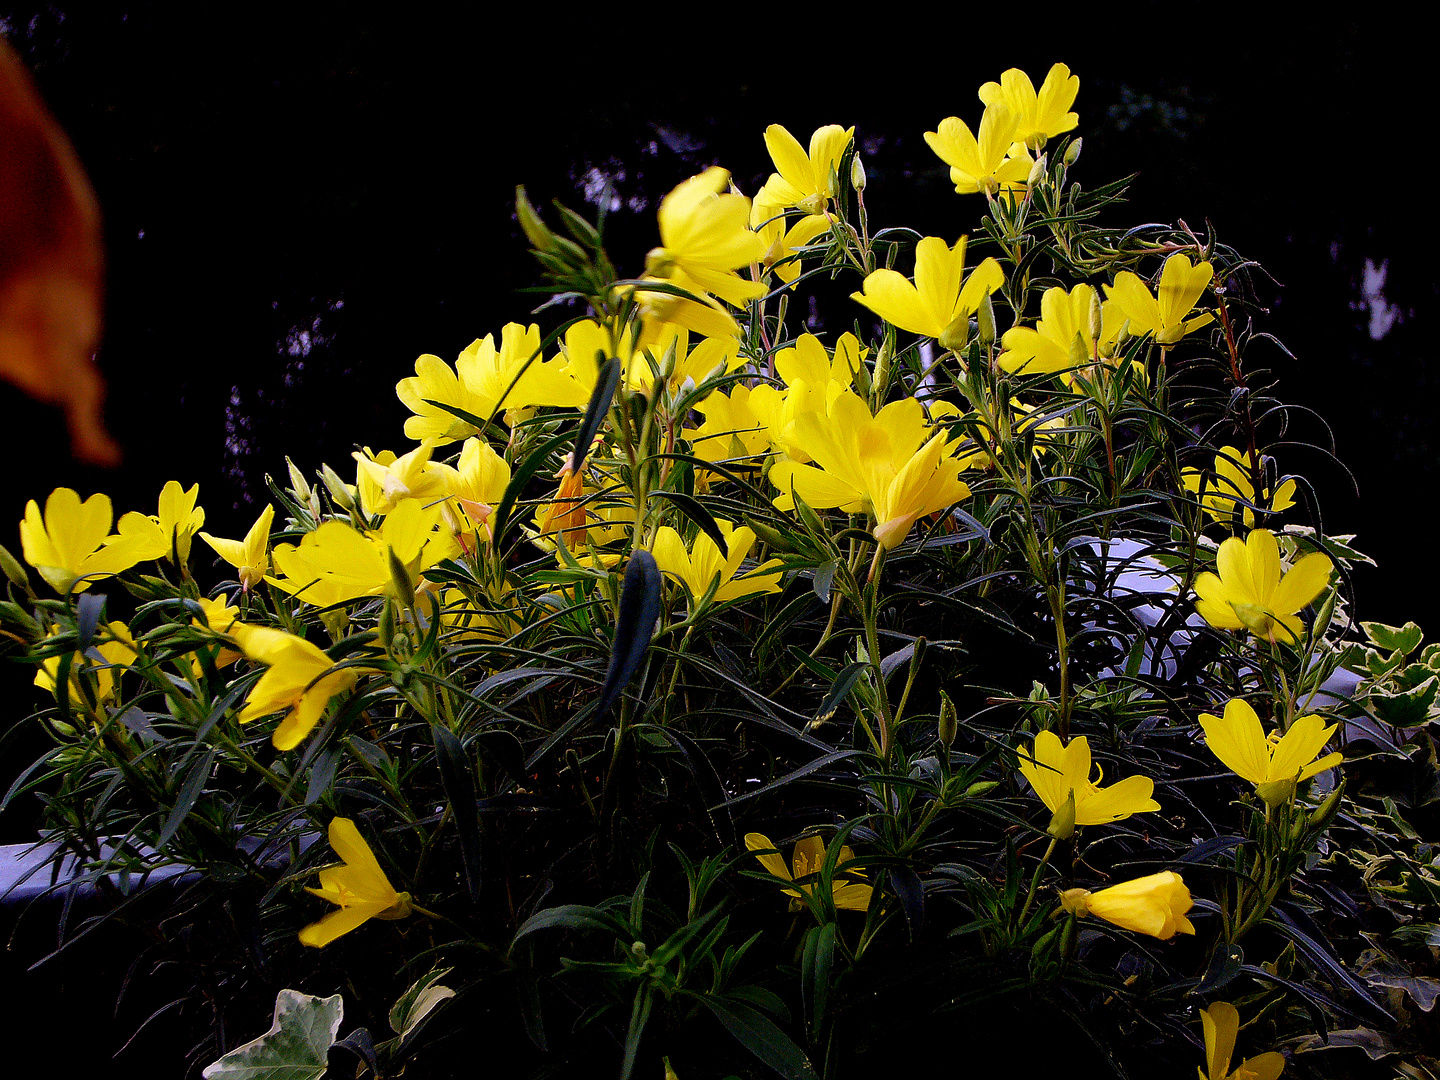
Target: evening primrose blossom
(1039,116)
(1154,905)
(1221,1023)
(1060,774)
(299,681)
(940,302)
(359,887)
(992,162)
(806,861)
(71,544)
(250,556)
(1181,286)
(1251,593)
(1274,764)
(704,564)
(1231,486)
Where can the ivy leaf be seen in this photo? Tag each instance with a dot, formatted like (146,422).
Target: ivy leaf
(419,1002)
(294,1048)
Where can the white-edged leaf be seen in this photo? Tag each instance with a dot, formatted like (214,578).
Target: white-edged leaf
(419,1001)
(294,1048)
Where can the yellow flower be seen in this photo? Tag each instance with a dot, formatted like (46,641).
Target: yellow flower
(1221,1023)
(889,466)
(169,533)
(383,481)
(1154,905)
(218,618)
(359,887)
(1275,764)
(481,383)
(1222,495)
(703,563)
(1065,337)
(1250,592)
(300,681)
(807,858)
(784,241)
(936,302)
(732,432)
(251,555)
(1058,773)
(475,487)
(992,163)
(806,181)
(335,563)
(104,660)
(71,545)
(1040,116)
(1181,286)
(705,237)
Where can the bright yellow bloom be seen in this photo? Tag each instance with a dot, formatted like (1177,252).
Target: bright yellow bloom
(1040,116)
(703,563)
(164,535)
(732,432)
(813,380)
(218,618)
(1222,494)
(682,365)
(783,240)
(104,660)
(1181,286)
(359,887)
(1154,905)
(937,301)
(1222,1023)
(300,681)
(481,383)
(335,563)
(1058,773)
(1274,764)
(807,858)
(705,237)
(71,545)
(889,466)
(1250,593)
(806,181)
(1065,337)
(383,481)
(994,162)
(251,555)
(475,487)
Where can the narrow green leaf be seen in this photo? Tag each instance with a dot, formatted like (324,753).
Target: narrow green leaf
(697,513)
(518,479)
(640,598)
(458,777)
(758,1034)
(189,794)
(606,382)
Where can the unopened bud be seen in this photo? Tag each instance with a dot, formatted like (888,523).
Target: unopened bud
(298,483)
(400,578)
(956,334)
(1097,316)
(1037,171)
(340,491)
(13,570)
(981,787)
(1062,822)
(541,238)
(1326,811)
(985,316)
(1072,152)
(949,721)
(857,173)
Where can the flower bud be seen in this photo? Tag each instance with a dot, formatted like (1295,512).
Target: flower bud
(13,570)
(857,173)
(1037,171)
(541,238)
(955,336)
(1062,821)
(400,578)
(1326,811)
(340,491)
(1072,152)
(949,723)
(298,483)
(985,316)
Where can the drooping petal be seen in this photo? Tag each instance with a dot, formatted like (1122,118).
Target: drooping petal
(769,857)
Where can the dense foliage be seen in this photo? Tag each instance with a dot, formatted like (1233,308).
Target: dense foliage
(712,689)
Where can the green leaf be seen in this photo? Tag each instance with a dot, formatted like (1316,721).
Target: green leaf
(640,597)
(294,1048)
(418,1002)
(692,508)
(824,576)
(815,968)
(1405,639)
(606,381)
(758,1034)
(457,776)
(1408,709)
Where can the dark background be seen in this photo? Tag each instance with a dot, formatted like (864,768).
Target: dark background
(298,203)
